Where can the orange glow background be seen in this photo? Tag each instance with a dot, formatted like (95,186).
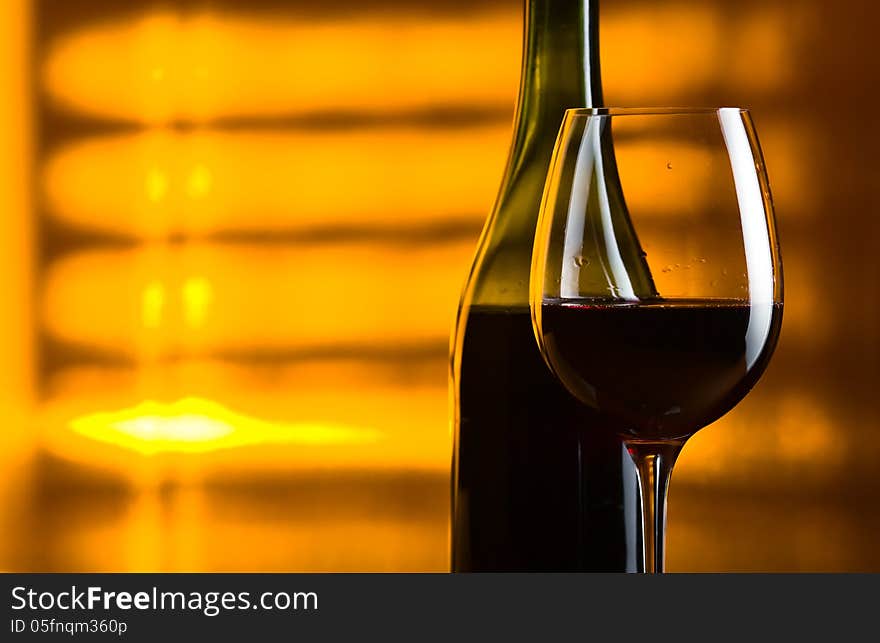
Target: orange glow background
(233,239)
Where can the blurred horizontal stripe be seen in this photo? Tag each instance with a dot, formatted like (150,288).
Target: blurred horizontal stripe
(197,299)
(244,383)
(666,177)
(200,67)
(164,184)
(281,519)
(159,183)
(206,65)
(754,51)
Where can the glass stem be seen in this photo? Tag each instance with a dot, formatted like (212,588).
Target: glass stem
(654,462)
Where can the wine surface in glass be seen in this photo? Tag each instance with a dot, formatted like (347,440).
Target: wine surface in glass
(659,370)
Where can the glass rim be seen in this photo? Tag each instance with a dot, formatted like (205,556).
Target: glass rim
(650,111)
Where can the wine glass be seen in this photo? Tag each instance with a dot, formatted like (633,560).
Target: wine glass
(656,283)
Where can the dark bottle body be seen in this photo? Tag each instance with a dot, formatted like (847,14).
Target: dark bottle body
(537,489)
(537,486)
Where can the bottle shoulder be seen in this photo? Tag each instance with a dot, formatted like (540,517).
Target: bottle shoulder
(500,272)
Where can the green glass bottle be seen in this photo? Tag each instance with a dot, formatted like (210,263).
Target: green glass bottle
(536,487)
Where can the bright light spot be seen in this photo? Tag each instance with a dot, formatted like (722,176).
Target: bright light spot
(194,425)
(199,182)
(197,294)
(184,428)
(152,304)
(156,185)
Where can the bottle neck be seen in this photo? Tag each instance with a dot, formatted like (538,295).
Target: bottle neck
(560,70)
(560,60)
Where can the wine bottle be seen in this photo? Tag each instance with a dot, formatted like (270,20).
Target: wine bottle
(536,486)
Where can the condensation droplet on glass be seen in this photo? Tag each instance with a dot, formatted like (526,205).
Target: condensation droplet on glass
(713,283)
(678,265)
(687,266)
(580,261)
(668,165)
(702,260)
(724,272)
(667,269)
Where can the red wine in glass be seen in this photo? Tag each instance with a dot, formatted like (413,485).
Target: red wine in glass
(659,370)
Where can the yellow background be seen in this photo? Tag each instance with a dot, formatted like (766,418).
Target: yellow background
(233,238)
